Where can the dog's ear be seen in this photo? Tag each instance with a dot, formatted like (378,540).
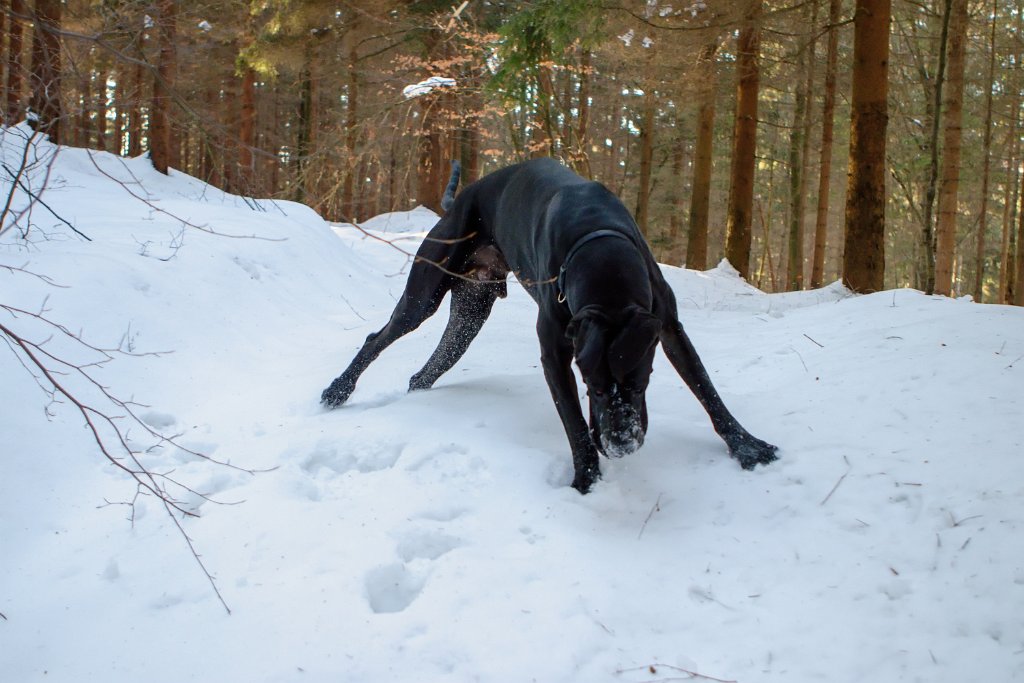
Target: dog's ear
(588,331)
(629,348)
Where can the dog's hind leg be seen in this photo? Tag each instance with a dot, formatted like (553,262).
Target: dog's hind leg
(746,448)
(471,304)
(423,294)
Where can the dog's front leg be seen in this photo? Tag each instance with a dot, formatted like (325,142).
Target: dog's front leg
(746,448)
(556,357)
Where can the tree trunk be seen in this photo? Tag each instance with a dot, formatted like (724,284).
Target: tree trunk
(979,265)
(581,156)
(247,175)
(1007,271)
(825,160)
(798,153)
(864,243)
(926,268)
(45,76)
(744,146)
(643,198)
(135,112)
(945,229)
(429,180)
(351,135)
(542,143)
(15,34)
(700,197)
(304,132)
(81,132)
(675,244)
(1016,285)
(101,106)
(162,145)
(1009,208)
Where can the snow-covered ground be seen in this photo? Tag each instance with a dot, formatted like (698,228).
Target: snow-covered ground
(433,536)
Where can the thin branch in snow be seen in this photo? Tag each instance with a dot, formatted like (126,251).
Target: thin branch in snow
(955,522)
(655,508)
(848,468)
(653,669)
(820,345)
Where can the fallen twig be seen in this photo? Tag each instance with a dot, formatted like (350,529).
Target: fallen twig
(653,668)
(848,468)
(654,508)
(820,345)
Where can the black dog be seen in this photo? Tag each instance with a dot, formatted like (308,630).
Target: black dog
(578,252)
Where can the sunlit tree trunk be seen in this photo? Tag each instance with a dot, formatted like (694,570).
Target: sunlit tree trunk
(926,267)
(945,229)
(979,271)
(864,242)
(741,188)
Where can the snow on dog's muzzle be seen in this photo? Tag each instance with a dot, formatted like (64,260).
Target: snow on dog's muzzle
(624,433)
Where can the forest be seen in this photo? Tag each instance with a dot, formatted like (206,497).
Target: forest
(874,142)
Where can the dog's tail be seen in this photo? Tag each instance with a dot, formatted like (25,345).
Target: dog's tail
(453,184)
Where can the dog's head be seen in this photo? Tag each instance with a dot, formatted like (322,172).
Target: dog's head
(615,354)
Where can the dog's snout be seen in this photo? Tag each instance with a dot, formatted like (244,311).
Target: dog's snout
(624,433)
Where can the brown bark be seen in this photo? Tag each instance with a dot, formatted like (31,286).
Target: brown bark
(101,108)
(45,75)
(798,153)
(1007,270)
(945,229)
(744,146)
(15,70)
(1016,284)
(825,160)
(643,199)
(1009,208)
(864,243)
(351,134)
(305,127)
(700,198)
(429,176)
(542,144)
(162,145)
(81,132)
(247,132)
(581,157)
(135,112)
(979,257)
(926,267)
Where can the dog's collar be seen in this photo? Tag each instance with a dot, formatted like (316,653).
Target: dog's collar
(576,247)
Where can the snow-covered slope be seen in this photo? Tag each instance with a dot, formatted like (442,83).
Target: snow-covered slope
(433,536)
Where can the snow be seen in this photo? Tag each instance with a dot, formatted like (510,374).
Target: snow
(427,86)
(433,536)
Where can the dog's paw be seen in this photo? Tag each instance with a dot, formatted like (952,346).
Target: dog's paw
(419,382)
(336,394)
(751,451)
(585,479)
